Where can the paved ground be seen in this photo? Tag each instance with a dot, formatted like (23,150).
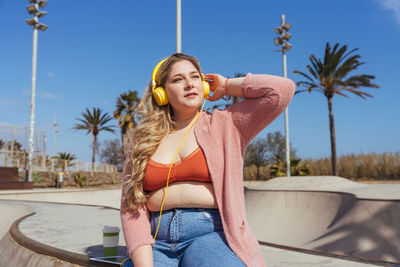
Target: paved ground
(78,228)
(328,214)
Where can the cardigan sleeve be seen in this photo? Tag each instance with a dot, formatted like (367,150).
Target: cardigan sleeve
(135,224)
(266,96)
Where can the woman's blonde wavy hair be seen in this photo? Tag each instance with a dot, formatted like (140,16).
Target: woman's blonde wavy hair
(155,122)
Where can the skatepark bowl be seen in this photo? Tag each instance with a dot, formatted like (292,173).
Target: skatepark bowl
(298,221)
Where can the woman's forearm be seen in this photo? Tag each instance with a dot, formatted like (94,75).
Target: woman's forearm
(235,86)
(142,256)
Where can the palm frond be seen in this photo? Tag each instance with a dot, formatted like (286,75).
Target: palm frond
(328,76)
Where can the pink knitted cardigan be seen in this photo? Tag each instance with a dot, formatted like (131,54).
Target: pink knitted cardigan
(223,136)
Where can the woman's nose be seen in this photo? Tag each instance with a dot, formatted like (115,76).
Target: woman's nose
(189,83)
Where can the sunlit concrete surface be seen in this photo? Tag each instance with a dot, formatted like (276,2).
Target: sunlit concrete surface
(9,214)
(110,197)
(276,257)
(329,214)
(14,255)
(322,213)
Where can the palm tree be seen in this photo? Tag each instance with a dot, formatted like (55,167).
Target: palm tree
(64,160)
(330,77)
(297,168)
(94,122)
(126,104)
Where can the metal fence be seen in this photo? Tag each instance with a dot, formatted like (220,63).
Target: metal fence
(14,147)
(19,159)
(16,137)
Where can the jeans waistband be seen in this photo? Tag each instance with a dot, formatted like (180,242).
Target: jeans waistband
(175,210)
(185,223)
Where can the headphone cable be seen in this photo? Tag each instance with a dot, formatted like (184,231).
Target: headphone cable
(170,168)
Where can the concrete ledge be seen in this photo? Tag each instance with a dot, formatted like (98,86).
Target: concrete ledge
(12,185)
(329,222)
(9,214)
(328,184)
(40,248)
(9,174)
(18,250)
(108,197)
(13,254)
(336,257)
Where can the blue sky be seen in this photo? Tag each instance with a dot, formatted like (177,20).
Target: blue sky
(95,50)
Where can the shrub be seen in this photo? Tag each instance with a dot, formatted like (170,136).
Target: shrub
(80,180)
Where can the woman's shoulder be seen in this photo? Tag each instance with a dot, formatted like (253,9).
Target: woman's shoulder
(215,115)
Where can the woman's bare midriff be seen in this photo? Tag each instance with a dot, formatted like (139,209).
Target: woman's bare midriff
(188,194)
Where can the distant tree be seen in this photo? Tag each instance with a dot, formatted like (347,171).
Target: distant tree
(256,154)
(268,150)
(94,122)
(2,143)
(16,147)
(112,153)
(65,156)
(297,168)
(330,77)
(64,160)
(276,147)
(125,111)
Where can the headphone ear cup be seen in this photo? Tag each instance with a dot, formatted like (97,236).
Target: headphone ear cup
(206,89)
(160,95)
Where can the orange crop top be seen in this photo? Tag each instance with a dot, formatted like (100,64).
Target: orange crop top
(191,168)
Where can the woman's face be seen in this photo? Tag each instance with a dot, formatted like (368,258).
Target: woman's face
(184,87)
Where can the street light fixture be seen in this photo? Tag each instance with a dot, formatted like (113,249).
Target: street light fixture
(41,14)
(286,26)
(282,40)
(42,4)
(34,10)
(42,27)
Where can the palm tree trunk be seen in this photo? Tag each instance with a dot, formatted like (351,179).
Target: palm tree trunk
(94,150)
(123,134)
(333,138)
(122,140)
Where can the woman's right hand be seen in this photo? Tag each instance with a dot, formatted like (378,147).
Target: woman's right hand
(217,86)
(220,86)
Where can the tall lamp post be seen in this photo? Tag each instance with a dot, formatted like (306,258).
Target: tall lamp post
(33,9)
(178,26)
(285,46)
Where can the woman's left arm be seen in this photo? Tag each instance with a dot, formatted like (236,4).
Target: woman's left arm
(265,97)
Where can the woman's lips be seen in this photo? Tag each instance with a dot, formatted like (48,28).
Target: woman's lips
(191,94)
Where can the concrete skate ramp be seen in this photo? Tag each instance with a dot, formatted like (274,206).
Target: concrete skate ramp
(109,197)
(333,222)
(12,253)
(9,214)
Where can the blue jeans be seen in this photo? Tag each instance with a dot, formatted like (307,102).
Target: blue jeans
(190,237)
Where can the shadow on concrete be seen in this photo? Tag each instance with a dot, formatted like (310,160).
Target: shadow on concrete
(97,251)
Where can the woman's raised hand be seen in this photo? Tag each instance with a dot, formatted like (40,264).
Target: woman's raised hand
(217,86)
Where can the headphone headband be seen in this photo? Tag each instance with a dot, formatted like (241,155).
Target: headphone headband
(159,93)
(153,78)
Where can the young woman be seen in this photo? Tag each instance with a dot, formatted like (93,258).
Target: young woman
(203,221)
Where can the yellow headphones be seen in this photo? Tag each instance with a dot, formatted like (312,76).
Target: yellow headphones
(159,93)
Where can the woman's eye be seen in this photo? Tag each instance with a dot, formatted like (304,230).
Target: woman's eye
(177,80)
